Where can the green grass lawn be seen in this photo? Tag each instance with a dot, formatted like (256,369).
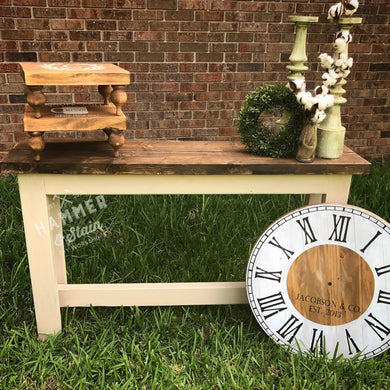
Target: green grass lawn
(163,239)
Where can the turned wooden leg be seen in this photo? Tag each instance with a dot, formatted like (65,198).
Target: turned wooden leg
(105,91)
(115,139)
(36,143)
(118,97)
(35,98)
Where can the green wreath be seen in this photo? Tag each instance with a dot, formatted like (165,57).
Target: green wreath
(262,140)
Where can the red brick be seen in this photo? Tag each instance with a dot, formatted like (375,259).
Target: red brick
(239,37)
(17,34)
(133,25)
(207,96)
(209,57)
(149,36)
(15,12)
(25,3)
(149,57)
(100,25)
(179,77)
(131,3)
(193,105)
(208,77)
(7,23)
(67,24)
(238,17)
(97,3)
(84,35)
(255,6)
(180,57)
(147,15)
(224,5)
(164,46)
(162,4)
(35,46)
(179,96)
(53,56)
(9,68)
(224,26)
(193,4)
(45,35)
(39,24)
(193,87)
(164,26)
(179,15)
(78,13)
(210,37)
(193,67)
(67,3)
(115,35)
(194,47)
(69,46)
(8,45)
(133,46)
(224,47)
(121,56)
(181,36)
(115,14)
(49,12)
(194,26)
(253,26)
(209,15)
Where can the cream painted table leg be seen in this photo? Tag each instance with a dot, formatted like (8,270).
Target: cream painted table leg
(337,191)
(46,259)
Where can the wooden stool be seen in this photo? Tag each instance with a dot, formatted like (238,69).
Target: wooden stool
(38,118)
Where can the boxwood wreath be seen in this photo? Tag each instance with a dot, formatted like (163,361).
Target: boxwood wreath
(264,141)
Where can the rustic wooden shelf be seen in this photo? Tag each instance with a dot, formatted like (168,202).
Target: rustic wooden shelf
(109,78)
(98,117)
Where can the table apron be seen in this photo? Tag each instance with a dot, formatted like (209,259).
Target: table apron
(335,186)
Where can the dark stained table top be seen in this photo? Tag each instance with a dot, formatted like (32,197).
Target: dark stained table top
(169,157)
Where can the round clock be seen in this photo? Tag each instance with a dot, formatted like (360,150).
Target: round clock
(318,280)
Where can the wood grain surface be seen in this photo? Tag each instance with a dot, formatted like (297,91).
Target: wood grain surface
(38,73)
(98,117)
(330,284)
(169,157)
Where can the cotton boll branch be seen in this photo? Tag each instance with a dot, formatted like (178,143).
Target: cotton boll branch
(336,68)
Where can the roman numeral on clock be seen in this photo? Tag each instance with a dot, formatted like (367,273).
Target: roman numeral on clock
(317,342)
(271,275)
(351,342)
(378,327)
(378,233)
(287,252)
(306,227)
(384,297)
(273,304)
(382,270)
(289,328)
(340,228)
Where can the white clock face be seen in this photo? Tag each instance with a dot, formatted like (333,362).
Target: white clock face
(319,279)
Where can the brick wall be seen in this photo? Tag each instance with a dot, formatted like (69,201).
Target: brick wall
(192,61)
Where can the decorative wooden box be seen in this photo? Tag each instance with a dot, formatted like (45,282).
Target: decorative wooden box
(38,118)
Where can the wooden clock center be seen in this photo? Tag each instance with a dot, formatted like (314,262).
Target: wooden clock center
(330,284)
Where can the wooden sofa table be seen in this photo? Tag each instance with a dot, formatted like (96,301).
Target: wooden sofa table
(150,167)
